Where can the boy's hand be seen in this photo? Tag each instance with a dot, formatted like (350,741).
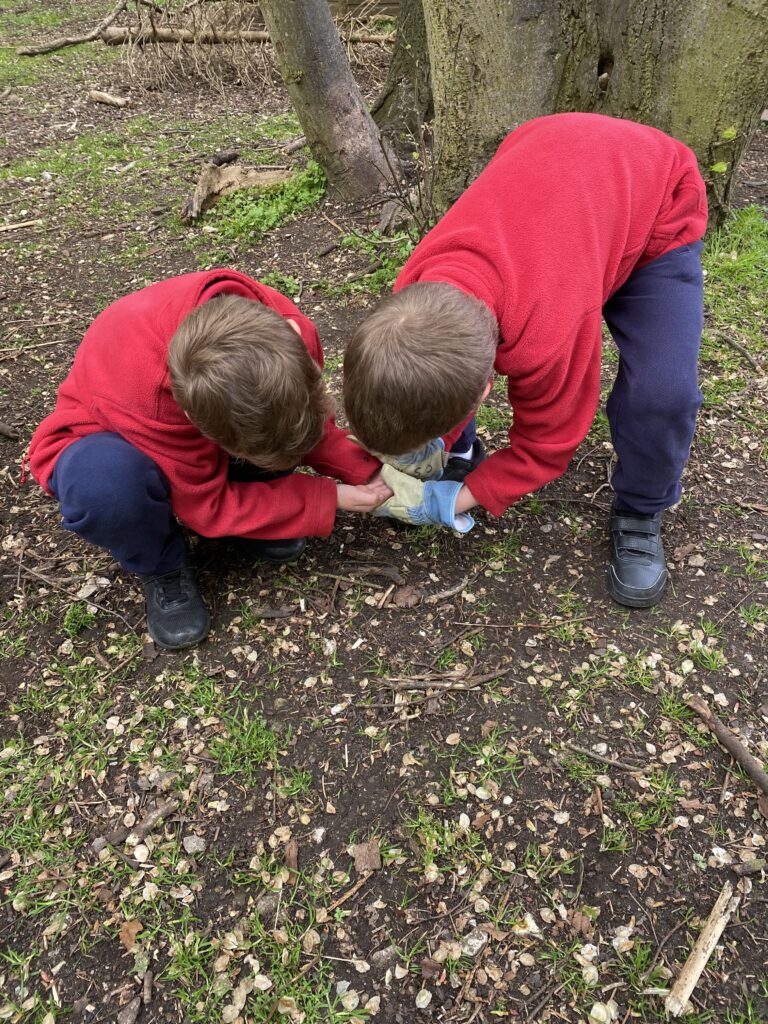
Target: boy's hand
(418,503)
(362,497)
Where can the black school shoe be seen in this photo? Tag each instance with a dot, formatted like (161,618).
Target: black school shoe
(176,614)
(637,574)
(276,552)
(457,468)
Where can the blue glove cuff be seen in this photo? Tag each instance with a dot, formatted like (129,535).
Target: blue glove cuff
(440,505)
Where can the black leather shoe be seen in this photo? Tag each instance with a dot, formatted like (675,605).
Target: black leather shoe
(457,468)
(637,574)
(276,552)
(176,615)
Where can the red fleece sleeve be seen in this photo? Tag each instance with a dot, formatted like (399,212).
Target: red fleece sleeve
(552,414)
(337,456)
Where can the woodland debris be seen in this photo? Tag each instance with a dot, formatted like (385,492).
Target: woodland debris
(6,430)
(21,224)
(129,1014)
(217,179)
(141,35)
(693,967)
(108,99)
(727,739)
(751,867)
(61,43)
(367,856)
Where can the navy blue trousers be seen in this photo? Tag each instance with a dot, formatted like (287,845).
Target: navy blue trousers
(656,319)
(116,497)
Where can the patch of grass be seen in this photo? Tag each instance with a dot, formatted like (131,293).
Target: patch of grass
(654,809)
(493,418)
(247,744)
(386,257)
(285,283)
(736,261)
(247,215)
(77,619)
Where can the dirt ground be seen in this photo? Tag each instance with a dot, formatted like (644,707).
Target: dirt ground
(413,776)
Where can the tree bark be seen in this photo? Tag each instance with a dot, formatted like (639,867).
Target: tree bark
(340,132)
(406,97)
(697,69)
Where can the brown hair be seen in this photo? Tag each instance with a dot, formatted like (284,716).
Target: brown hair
(243,376)
(417,366)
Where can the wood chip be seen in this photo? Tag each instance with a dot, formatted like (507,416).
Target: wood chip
(367,856)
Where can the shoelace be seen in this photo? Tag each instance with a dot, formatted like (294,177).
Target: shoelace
(173,590)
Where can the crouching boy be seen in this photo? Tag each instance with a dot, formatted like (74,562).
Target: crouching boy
(193,400)
(577,218)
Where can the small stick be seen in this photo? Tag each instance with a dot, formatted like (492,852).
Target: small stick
(21,224)
(739,348)
(147,990)
(149,821)
(693,967)
(442,595)
(727,739)
(603,760)
(74,597)
(96,96)
(7,431)
(350,892)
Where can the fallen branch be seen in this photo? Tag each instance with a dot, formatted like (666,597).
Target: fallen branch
(623,765)
(95,96)
(219,177)
(141,35)
(21,224)
(441,684)
(693,967)
(739,348)
(60,44)
(443,595)
(727,739)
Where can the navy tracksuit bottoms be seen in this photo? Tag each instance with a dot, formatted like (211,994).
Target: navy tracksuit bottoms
(113,495)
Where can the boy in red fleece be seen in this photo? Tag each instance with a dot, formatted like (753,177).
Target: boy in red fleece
(577,218)
(195,398)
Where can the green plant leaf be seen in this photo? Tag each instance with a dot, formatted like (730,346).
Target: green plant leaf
(719,168)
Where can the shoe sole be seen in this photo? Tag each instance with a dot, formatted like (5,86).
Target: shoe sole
(645,599)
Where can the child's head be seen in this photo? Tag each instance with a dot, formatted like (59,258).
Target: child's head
(242,375)
(417,366)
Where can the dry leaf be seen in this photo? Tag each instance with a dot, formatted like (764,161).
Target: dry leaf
(128,932)
(407,597)
(367,856)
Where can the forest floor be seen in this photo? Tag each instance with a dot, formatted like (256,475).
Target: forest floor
(412,777)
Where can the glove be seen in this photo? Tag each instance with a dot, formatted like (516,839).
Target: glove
(427,463)
(421,502)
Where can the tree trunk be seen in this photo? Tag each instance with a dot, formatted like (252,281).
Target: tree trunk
(406,98)
(340,132)
(697,69)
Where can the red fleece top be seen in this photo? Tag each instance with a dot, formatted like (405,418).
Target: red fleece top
(567,208)
(120,382)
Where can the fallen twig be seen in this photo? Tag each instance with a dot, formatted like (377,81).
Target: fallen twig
(728,739)
(441,684)
(7,431)
(141,34)
(443,595)
(623,765)
(739,348)
(60,44)
(74,597)
(21,224)
(693,967)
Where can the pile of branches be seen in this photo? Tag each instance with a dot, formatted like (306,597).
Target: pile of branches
(194,22)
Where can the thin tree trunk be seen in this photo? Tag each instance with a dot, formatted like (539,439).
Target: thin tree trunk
(406,97)
(339,130)
(697,69)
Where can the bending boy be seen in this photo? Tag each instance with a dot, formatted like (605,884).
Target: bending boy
(578,217)
(194,399)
